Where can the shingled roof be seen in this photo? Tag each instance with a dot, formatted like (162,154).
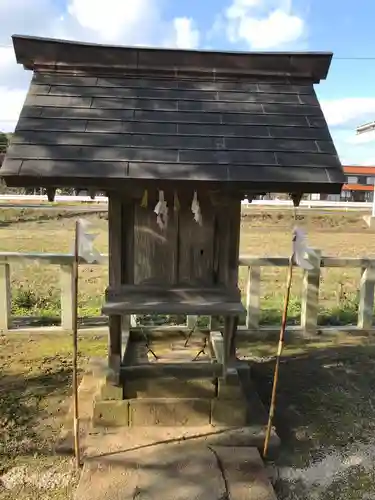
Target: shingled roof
(97,115)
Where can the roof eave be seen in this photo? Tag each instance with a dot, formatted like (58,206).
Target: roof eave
(17,181)
(33,51)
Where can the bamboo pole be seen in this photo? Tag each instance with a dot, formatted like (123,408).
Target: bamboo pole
(278,357)
(75,346)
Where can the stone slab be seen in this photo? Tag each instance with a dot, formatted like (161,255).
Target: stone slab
(122,439)
(228,412)
(164,472)
(182,470)
(109,391)
(231,388)
(245,473)
(111,413)
(86,391)
(168,387)
(169,411)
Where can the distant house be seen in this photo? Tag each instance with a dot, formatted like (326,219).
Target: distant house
(359,184)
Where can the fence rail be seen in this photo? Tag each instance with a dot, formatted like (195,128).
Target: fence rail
(254,265)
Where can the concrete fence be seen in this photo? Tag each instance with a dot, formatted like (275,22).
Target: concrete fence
(254,265)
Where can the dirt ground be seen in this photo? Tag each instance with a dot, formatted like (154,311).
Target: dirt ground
(324,415)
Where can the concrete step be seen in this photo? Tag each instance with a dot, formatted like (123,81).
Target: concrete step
(178,471)
(245,473)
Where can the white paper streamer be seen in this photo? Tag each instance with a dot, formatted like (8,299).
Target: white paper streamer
(301,252)
(161,210)
(196,209)
(86,249)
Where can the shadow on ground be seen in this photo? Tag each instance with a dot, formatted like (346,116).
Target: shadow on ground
(25,406)
(325,395)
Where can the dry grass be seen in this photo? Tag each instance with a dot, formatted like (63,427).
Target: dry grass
(36,287)
(325,398)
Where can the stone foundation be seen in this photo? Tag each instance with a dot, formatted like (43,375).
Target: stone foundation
(169,402)
(222,412)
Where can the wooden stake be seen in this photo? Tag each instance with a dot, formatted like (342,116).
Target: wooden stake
(75,346)
(278,357)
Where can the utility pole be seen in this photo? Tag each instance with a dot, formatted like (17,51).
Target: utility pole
(363,129)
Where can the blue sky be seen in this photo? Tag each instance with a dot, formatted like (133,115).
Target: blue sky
(343,27)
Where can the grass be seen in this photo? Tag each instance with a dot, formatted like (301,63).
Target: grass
(36,287)
(35,381)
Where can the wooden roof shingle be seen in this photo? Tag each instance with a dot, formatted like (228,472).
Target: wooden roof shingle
(98,115)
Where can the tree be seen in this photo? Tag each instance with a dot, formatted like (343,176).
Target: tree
(3,142)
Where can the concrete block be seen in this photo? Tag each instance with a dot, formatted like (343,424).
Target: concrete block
(245,473)
(99,368)
(111,413)
(169,412)
(370,221)
(228,412)
(169,387)
(108,391)
(230,389)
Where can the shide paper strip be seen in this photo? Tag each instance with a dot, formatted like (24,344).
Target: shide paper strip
(86,237)
(301,251)
(161,210)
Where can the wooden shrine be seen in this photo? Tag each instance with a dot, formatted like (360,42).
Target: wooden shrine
(188,128)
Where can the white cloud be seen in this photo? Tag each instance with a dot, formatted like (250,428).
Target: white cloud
(350,151)
(115,21)
(363,138)
(122,22)
(263,24)
(350,111)
(185,33)
(11,105)
(343,117)
(13,81)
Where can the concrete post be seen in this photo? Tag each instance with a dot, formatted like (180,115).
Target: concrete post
(5,298)
(253,298)
(191,321)
(366,298)
(310,296)
(67,299)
